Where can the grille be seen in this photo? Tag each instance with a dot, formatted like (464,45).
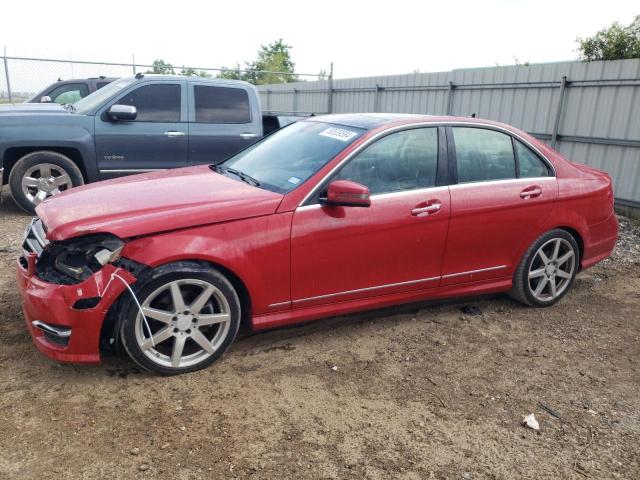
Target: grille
(35,237)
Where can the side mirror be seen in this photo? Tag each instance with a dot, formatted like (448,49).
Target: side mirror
(346,193)
(122,113)
(45,99)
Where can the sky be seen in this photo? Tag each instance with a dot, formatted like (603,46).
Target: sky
(360,38)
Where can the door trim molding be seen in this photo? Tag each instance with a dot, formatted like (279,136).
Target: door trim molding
(366,289)
(131,170)
(388,285)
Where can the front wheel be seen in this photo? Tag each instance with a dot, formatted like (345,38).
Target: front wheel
(547,269)
(191,316)
(40,175)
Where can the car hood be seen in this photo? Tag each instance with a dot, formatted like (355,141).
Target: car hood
(31,108)
(153,202)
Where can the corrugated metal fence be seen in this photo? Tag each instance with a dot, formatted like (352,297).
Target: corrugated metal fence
(589,111)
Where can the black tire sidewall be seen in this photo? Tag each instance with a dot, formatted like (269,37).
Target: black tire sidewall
(156,279)
(35,158)
(530,257)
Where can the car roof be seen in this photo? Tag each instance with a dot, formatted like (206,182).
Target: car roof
(370,121)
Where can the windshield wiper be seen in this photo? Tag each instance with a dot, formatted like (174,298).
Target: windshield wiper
(241,175)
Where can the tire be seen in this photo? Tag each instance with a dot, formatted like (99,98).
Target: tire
(539,282)
(188,306)
(39,175)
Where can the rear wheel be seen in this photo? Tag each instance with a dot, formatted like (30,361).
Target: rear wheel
(191,316)
(547,270)
(39,175)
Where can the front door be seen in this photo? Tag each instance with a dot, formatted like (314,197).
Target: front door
(505,193)
(157,139)
(395,245)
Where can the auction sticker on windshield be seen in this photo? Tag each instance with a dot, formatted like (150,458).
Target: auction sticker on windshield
(341,134)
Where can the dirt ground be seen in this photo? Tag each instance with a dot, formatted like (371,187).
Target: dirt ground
(424,391)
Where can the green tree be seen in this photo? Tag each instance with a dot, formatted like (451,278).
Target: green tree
(161,67)
(612,43)
(273,65)
(190,72)
(231,73)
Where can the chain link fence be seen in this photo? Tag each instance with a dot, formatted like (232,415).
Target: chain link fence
(23,77)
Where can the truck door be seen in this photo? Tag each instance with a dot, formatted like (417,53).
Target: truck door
(223,119)
(157,139)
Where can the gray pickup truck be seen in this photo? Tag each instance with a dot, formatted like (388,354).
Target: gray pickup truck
(137,124)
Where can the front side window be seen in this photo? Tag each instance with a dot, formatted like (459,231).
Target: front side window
(69,93)
(400,161)
(529,163)
(89,103)
(155,103)
(483,155)
(221,104)
(287,158)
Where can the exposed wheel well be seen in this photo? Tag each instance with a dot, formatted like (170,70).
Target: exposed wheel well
(577,237)
(110,323)
(12,155)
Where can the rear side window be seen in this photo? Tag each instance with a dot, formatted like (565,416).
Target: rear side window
(401,161)
(529,163)
(69,93)
(155,103)
(483,155)
(221,104)
(102,84)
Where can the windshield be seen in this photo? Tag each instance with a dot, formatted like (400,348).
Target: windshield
(287,158)
(97,98)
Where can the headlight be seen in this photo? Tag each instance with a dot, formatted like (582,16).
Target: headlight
(75,260)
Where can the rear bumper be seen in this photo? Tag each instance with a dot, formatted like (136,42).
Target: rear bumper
(602,240)
(61,332)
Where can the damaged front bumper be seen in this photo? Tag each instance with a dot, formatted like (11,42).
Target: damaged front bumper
(61,325)
(65,321)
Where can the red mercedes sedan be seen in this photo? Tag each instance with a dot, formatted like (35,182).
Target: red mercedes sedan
(331,215)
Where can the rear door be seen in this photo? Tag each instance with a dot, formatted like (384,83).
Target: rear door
(156,140)
(222,121)
(503,196)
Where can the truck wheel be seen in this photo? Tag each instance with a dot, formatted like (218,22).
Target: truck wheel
(39,175)
(192,315)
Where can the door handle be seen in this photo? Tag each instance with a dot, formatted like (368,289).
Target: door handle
(531,192)
(248,136)
(173,134)
(429,209)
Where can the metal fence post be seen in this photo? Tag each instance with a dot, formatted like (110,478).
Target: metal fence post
(295,100)
(330,91)
(268,100)
(6,72)
(133,63)
(377,99)
(450,97)
(556,124)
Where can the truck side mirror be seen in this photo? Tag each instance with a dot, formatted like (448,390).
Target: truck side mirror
(122,113)
(45,99)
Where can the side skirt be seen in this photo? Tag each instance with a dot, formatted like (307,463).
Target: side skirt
(304,314)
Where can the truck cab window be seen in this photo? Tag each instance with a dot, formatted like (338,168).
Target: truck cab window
(155,103)
(221,104)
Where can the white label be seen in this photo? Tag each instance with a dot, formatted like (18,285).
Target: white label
(338,133)
(294,180)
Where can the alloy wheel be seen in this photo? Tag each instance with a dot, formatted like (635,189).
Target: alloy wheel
(552,269)
(44,180)
(187,320)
